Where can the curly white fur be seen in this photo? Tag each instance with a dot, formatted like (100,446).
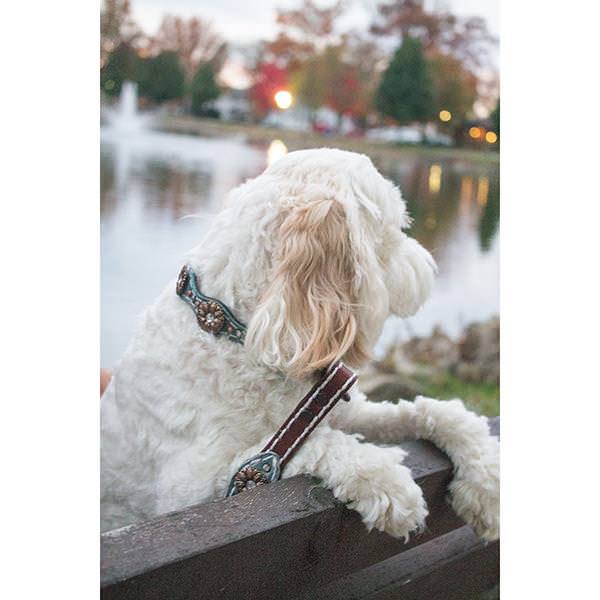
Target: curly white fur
(311,254)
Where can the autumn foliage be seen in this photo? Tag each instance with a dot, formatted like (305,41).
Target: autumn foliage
(436,64)
(269,79)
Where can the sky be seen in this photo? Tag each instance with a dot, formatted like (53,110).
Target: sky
(246,21)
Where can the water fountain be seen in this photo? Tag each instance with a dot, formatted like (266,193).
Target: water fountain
(124,116)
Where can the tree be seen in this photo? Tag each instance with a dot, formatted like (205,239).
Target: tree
(269,79)
(306,30)
(203,89)
(309,83)
(161,77)
(116,27)
(367,62)
(341,85)
(193,40)
(467,39)
(342,76)
(405,92)
(454,87)
(121,65)
(495,118)
(327,80)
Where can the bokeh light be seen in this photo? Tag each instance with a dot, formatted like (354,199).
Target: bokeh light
(445,115)
(475,132)
(283,99)
(491,137)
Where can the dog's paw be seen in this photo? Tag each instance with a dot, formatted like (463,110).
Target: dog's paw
(475,494)
(385,495)
(466,439)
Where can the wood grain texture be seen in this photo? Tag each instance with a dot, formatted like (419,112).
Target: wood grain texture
(455,566)
(290,535)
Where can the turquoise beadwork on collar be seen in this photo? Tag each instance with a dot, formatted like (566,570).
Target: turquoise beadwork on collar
(212,315)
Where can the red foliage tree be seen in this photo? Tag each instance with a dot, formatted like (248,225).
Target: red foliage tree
(269,79)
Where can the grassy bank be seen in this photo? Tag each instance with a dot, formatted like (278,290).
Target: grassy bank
(297,140)
(483,398)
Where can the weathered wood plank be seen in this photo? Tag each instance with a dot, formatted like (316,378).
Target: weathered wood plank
(455,566)
(289,535)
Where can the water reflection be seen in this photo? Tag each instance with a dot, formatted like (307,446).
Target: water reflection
(482,191)
(455,205)
(151,182)
(488,222)
(276,150)
(435,178)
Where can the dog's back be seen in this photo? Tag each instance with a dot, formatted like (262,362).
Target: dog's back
(180,407)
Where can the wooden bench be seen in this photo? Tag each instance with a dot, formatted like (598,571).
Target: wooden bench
(292,539)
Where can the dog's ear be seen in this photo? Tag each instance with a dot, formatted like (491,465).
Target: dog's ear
(306,318)
(411,275)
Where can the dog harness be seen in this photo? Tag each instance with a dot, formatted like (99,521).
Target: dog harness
(215,317)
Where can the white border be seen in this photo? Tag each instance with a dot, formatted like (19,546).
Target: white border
(49,319)
(549,300)
(49,236)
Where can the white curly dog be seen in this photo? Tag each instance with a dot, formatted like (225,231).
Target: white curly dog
(311,255)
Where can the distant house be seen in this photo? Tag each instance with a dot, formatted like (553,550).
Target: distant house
(233,105)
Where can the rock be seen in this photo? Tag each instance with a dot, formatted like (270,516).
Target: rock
(423,357)
(388,386)
(475,357)
(437,351)
(479,352)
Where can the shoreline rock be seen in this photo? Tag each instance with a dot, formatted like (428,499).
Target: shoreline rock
(408,368)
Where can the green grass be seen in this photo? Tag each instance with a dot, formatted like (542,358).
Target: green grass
(483,398)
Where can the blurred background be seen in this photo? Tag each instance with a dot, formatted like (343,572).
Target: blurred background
(198,96)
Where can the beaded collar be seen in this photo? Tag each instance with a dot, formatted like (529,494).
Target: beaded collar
(212,315)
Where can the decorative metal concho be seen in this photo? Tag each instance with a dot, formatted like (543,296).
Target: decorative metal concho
(212,315)
(258,470)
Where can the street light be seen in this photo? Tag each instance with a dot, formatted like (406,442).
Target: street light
(491,137)
(445,115)
(283,99)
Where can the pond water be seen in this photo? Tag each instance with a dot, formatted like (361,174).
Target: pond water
(152,182)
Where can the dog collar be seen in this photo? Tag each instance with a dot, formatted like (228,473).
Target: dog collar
(267,466)
(212,315)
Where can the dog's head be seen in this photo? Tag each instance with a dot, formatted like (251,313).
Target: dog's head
(340,262)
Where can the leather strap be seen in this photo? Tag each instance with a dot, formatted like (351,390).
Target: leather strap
(266,466)
(311,410)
